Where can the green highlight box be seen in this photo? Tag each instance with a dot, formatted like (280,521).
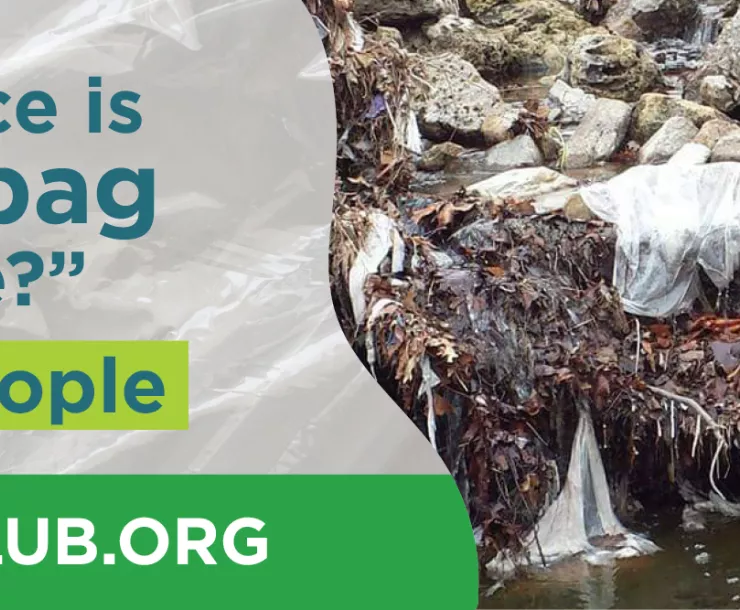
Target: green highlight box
(93,385)
(333,542)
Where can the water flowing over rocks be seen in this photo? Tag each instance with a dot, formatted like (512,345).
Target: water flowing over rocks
(478,134)
(650,20)
(717,81)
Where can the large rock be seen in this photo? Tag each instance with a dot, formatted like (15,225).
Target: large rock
(402,12)
(519,152)
(668,140)
(691,154)
(439,156)
(612,66)
(721,59)
(570,104)
(456,102)
(654,109)
(713,131)
(540,31)
(727,149)
(500,124)
(719,92)
(600,135)
(650,20)
(483,47)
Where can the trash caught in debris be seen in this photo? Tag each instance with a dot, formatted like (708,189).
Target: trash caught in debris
(568,345)
(581,520)
(671,221)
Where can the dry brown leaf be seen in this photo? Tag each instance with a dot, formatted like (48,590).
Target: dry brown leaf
(496,271)
(442,406)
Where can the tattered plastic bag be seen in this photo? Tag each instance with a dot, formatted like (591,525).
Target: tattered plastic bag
(671,219)
(581,520)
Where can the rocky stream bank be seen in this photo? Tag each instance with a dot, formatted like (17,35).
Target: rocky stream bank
(475,278)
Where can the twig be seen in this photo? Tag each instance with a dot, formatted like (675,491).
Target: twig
(734,374)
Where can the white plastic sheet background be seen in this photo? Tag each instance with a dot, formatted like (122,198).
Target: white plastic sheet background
(239,126)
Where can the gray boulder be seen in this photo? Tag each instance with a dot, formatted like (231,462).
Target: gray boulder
(600,134)
(483,47)
(612,66)
(500,124)
(668,140)
(650,20)
(727,149)
(540,31)
(570,104)
(719,92)
(456,102)
(691,154)
(654,109)
(512,154)
(401,12)
(713,131)
(439,156)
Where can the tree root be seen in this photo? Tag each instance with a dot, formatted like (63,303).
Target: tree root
(717,429)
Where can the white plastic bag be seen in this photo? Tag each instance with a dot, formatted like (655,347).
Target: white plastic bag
(671,219)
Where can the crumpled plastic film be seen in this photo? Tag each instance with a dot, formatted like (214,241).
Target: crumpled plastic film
(239,125)
(671,220)
(579,519)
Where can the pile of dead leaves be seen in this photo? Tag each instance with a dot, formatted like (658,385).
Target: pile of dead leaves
(372,87)
(496,324)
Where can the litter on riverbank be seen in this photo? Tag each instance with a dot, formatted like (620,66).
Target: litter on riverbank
(494,322)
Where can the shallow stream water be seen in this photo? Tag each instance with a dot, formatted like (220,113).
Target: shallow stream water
(676,577)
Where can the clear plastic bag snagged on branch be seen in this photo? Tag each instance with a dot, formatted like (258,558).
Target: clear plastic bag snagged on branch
(671,219)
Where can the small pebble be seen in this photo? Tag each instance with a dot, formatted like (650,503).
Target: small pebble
(698,547)
(736,598)
(707,574)
(733,581)
(702,559)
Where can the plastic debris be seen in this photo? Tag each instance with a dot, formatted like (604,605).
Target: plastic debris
(671,220)
(581,520)
(382,237)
